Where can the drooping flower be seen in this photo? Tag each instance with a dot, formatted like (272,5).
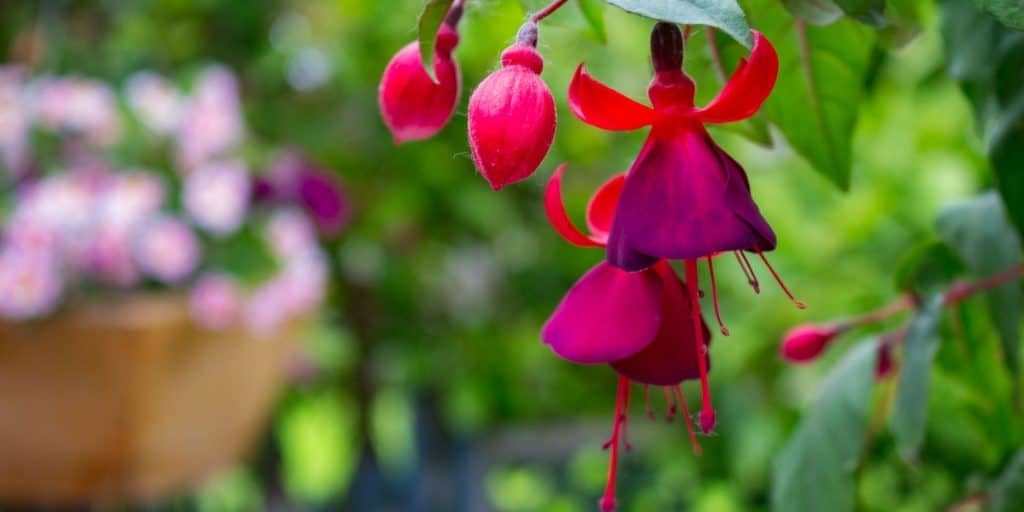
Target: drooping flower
(414,105)
(215,301)
(216,196)
(30,284)
(642,323)
(512,115)
(166,249)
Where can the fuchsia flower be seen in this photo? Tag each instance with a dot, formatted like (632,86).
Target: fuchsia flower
(512,115)
(642,324)
(415,106)
(805,343)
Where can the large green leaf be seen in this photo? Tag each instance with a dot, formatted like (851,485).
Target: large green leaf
(910,411)
(988,61)
(1007,492)
(593,12)
(1008,12)
(722,14)
(429,24)
(814,471)
(820,86)
(980,233)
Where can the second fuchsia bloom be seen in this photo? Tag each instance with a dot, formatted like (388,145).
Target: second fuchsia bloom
(415,106)
(512,115)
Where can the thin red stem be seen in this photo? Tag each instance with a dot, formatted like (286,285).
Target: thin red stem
(961,291)
(621,405)
(548,11)
(698,335)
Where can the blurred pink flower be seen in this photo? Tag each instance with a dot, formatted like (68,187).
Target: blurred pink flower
(290,233)
(304,282)
(30,284)
(14,122)
(80,105)
(106,257)
(215,301)
(166,249)
(155,101)
(217,195)
(266,311)
(212,124)
(294,179)
(130,197)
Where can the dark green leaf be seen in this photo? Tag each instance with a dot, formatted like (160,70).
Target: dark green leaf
(988,61)
(1008,12)
(927,268)
(593,12)
(868,12)
(910,411)
(814,471)
(980,233)
(722,14)
(903,23)
(429,24)
(820,86)
(1007,493)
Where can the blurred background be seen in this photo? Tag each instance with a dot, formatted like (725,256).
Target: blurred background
(423,385)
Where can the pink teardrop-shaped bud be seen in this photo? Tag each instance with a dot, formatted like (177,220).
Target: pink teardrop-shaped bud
(805,343)
(512,118)
(414,106)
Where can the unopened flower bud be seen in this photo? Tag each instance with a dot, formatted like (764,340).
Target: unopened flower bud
(414,105)
(805,343)
(512,117)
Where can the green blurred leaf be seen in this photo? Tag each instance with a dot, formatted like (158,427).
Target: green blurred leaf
(868,12)
(1007,492)
(978,230)
(814,471)
(903,23)
(928,267)
(815,12)
(429,24)
(910,411)
(1008,12)
(593,12)
(820,86)
(723,14)
(988,61)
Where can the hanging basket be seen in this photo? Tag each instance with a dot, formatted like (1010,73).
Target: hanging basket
(128,401)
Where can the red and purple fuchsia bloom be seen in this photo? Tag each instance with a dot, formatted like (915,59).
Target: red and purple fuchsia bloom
(683,198)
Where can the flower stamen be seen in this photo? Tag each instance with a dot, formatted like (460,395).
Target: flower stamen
(799,304)
(714,298)
(748,271)
(670,406)
(707,413)
(607,502)
(647,402)
(678,392)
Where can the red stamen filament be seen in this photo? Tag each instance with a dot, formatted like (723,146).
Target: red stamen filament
(547,11)
(714,298)
(647,402)
(698,328)
(782,285)
(748,271)
(678,391)
(607,502)
(670,406)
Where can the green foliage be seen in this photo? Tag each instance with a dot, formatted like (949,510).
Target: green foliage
(814,471)
(910,411)
(1008,12)
(434,12)
(593,13)
(1007,493)
(980,233)
(927,268)
(722,14)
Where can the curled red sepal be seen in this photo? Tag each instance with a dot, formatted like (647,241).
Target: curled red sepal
(747,88)
(601,208)
(559,219)
(601,106)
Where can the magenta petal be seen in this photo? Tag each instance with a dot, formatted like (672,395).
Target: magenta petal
(672,357)
(684,198)
(606,316)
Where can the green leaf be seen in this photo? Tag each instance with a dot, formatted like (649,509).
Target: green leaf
(593,12)
(429,24)
(815,12)
(927,268)
(1007,492)
(820,86)
(1008,12)
(988,61)
(814,471)
(979,231)
(910,411)
(722,14)
(868,12)
(903,23)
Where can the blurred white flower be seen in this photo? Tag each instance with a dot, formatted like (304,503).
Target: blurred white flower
(130,197)
(106,257)
(62,203)
(156,102)
(80,105)
(14,121)
(290,233)
(166,249)
(308,69)
(30,284)
(213,123)
(217,196)
(266,311)
(215,301)
(304,281)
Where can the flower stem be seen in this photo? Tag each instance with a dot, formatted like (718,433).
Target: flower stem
(963,290)
(548,11)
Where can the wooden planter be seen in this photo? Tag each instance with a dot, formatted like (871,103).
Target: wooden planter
(128,402)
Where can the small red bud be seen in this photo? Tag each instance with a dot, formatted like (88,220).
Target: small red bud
(884,364)
(414,106)
(805,343)
(512,118)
